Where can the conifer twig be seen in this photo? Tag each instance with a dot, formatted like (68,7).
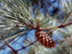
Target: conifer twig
(27,45)
(64,25)
(11,47)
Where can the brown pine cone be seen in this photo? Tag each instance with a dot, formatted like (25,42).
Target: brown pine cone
(44,39)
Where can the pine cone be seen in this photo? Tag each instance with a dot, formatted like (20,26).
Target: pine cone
(44,39)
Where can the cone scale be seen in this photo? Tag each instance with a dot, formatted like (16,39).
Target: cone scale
(44,39)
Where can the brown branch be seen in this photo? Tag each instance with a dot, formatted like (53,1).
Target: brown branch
(0,35)
(64,25)
(27,45)
(56,27)
(26,38)
(11,47)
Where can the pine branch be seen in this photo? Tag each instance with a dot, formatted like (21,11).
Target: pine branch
(11,47)
(61,26)
(27,45)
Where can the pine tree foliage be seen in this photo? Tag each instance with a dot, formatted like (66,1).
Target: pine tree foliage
(11,16)
(18,16)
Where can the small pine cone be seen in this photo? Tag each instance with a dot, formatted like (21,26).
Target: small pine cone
(44,39)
